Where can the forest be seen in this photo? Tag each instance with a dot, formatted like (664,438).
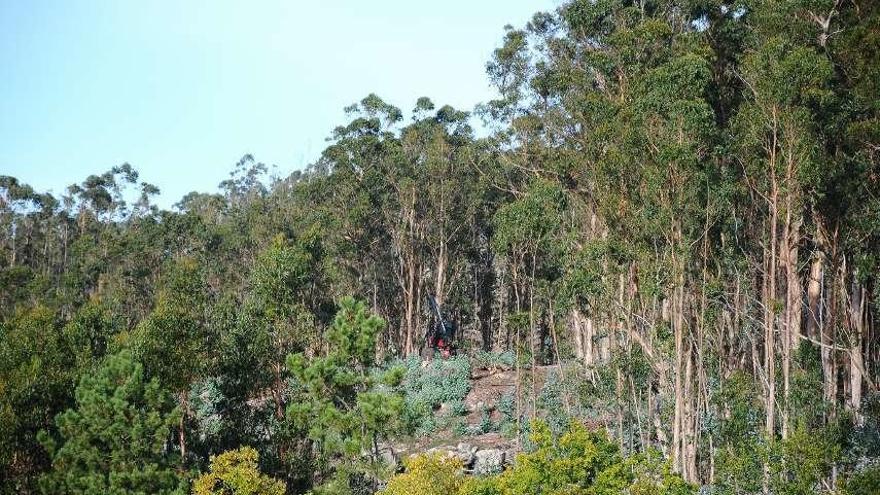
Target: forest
(664,231)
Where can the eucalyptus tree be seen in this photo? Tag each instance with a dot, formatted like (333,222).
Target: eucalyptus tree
(172,343)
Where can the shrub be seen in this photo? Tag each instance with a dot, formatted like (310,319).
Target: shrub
(457,408)
(507,409)
(551,402)
(442,380)
(484,426)
(205,399)
(115,439)
(583,461)
(426,388)
(578,459)
(236,473)
(425,425)
(577,462)
(494,360)
(863,482)
(433,474)
(800,462)
(343,408)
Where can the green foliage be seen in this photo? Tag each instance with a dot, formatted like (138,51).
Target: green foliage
(578,459)
(427,386)
(582,276)
(740,467)
(484,426)
(434,474)
(36,382)
(178,317)
(115,439)
(529,223)
(795,465)
(279,278)
(624,191)
(504,360)
(236,473)
(205,399)
(507,409)
(801,461)
(343,407)
(586,462)
(742,446)
(551,403)
(91,334)
(654,475)
(862,482)
(740,396)
(578,462)
(438,381)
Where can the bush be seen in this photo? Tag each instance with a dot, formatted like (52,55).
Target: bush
(551,402)
(426,388)
(343,408)
(484,426)
(583,461)
(425,425)
(442,380)
(434,474)
(494,360)
(507,409)
(236,473)
(205,399)
(577,462)
(456,408)
(863,482)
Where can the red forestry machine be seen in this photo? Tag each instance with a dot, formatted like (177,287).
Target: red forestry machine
(440,336)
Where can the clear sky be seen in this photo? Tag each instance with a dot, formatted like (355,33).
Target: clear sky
(181,89)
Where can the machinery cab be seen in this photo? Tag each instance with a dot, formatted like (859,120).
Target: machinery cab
(440,336)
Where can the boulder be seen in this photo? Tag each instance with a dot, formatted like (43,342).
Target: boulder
(390,457)
(489,461)
(465,452)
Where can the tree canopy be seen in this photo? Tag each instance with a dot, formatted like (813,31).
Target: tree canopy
(664,225)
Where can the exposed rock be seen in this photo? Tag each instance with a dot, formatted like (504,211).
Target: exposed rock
(475,406)
(489,461)
(446,450)
(465,452)
(466,447)
(391,458)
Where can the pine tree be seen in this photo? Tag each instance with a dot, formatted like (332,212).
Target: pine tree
(344,407)
(116,439)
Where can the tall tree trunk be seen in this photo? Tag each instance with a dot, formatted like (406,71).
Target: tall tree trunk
(181,431)
(817,328)
(577,336)
(409,308)
(689,462)
(12,258)
(789,258)
(770,294)
(678,413)
(589,336)
(440,275)
(829,329)
(857,330)
(814,286)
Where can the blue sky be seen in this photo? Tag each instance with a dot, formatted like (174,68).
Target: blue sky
(182,89)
